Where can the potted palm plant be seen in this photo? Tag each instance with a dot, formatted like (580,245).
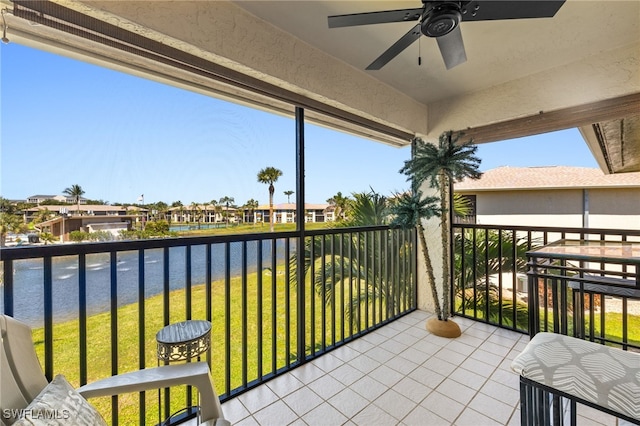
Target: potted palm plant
(439,166)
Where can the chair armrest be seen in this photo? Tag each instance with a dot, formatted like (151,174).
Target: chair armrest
(195,374)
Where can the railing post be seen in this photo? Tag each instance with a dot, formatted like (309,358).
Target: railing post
(300,225)
(8,286)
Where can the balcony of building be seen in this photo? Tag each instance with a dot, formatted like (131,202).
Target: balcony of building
(346,347)
(577,69)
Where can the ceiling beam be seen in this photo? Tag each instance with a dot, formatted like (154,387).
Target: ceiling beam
(543,122)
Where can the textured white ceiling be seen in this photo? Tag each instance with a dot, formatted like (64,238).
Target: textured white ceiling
(497,51)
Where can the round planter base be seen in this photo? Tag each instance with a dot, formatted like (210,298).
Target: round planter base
(440,328)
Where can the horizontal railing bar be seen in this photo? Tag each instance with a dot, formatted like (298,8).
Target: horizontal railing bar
(552,229)
(30,252)
(53,250)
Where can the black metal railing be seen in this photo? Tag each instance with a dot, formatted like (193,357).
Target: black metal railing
(96,307)
(587,289)
(489,265)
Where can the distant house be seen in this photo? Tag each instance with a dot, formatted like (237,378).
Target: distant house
(286,213)
(283,213)
(61,226)
(554,196)
(89,218)
(201,213)
(39,199)
(85,210)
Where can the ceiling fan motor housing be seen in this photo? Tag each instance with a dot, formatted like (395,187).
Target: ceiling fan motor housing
(441,19)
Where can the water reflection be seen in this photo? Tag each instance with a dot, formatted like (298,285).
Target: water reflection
(29,277)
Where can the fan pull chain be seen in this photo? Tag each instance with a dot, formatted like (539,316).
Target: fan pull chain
(419,52)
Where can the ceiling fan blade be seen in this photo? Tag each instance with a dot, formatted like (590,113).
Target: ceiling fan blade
(404,42)
(480,10)
(452,48)
(374,17)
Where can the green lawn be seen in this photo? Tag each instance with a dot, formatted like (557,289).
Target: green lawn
(246,228)
(66,340)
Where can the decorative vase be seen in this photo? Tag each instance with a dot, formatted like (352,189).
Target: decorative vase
(442,328)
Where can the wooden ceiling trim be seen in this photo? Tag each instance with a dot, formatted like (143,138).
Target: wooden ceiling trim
(543,122)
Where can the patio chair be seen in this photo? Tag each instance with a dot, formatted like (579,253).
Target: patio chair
(22,380)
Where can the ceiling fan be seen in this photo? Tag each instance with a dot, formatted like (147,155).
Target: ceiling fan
(441,19)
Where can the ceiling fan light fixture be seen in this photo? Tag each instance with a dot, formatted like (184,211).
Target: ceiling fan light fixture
(441,20)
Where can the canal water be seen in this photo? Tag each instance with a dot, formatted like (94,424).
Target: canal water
(29,277)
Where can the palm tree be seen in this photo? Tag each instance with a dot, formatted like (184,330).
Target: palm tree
(336,275)
(214,204)
(288,194)
(196,211)
(409,209)
(10,222)
(180,210)
(6,206)
(462,206)
(161,208)
(441,165)
(369,208)
(493,253)
(340,203)
(217,210)
(76,192)
(46,237)
(270,175)
(252,205)
(226,200)
(206,211)
(42,216)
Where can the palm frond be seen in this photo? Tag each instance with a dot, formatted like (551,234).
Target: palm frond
(410,208)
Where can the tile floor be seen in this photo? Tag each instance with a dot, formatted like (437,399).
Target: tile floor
(400,375)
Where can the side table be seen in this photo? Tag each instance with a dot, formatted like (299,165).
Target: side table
(181,341)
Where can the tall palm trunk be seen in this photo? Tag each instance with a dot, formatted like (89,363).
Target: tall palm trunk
(444,229)
(430,275)
(271,218)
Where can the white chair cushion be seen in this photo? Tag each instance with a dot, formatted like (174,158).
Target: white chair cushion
(60,404)
(605,376)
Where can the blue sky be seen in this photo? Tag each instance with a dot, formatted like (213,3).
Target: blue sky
(66,122)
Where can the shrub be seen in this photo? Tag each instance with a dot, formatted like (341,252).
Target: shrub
(157,227)
(101,236)
(78,236)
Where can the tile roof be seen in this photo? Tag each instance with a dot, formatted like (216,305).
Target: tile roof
(548,177)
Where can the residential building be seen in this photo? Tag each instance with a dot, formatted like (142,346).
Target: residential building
(554,196)
(61,226)
(201,213)
(84,210)
(286,213)
(89,218)
(39,199)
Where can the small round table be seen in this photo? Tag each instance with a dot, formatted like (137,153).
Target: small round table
(181,341)
(184,340)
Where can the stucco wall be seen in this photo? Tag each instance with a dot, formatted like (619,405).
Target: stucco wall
(608,208)
(618,208)
(616,73)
